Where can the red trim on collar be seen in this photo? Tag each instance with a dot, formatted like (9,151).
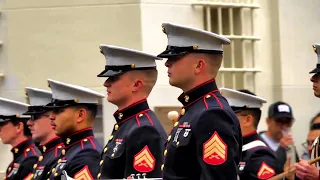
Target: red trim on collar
(202,84)
(211,93)
(21,143)
(138,102)
(52,148)
(50,141)
(250,134)
(77,132)
(144,111)
(89,137)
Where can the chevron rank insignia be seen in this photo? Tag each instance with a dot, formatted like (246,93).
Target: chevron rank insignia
(144,161)
(265,171)
(83,174)
(214,150)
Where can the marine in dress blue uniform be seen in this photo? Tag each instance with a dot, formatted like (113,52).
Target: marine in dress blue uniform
(52,147)
(257,160)
(206,141)
(51,152)
(25,154)
(81,154)
(135,147)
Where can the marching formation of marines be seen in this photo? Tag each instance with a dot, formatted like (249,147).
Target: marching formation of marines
(214,137)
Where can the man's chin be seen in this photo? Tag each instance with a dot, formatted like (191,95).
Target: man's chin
(110,99)
(4,141)
(173,83)
(35,137)
(57,132)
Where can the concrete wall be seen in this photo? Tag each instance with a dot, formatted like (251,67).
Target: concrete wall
(299,28)
(60,40)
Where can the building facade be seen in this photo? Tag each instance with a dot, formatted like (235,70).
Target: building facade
(270,53)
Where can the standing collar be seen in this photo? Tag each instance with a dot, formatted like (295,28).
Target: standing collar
(19,149)
(50,145)
(196,93)
(130,111)
(77,136)
(250,137)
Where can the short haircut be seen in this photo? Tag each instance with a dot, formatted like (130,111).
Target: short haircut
(214,63)
(149,77)
(26,130)
(254,112)
(91,108)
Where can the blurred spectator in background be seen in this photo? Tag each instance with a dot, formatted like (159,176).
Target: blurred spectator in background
(278,137)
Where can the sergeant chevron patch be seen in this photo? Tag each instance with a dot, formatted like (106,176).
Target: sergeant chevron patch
(214,150)
(83,174)
(265,171)
(144,161)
